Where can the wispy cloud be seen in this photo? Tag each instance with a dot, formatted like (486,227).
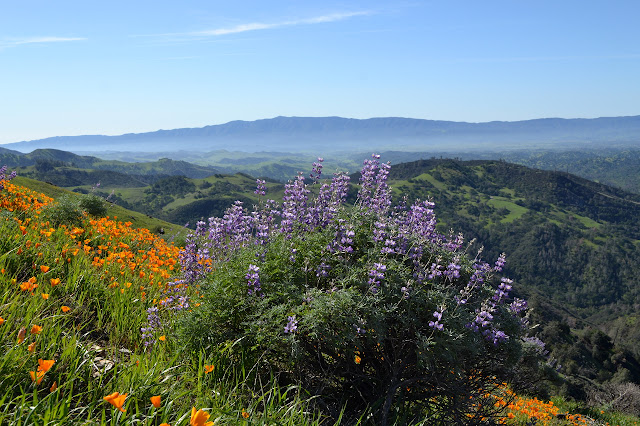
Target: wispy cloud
(12,42)
(254,26)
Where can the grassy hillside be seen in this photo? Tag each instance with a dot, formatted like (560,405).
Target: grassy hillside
(572,245)
(137,219)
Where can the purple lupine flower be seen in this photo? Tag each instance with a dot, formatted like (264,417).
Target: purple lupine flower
(153,321)
(367,180)
(482,320)
(502,292)
(323,270)
(419,221)
(453,243)
(329,199)
(500,262)
(452,271)
(292,325)
(294,205)
(538,344)
(375,276)
(382,197)
(261,188)
(388,248)
(495,336)
(343,239)
(379,231)
(339,188)
(405,291)
(435,270)
(436,324)
(4,177)
(518,306)
(317,170)
(253,280)
(374,193)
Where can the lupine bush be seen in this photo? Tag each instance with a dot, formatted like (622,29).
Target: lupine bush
(369,307)
(4,177)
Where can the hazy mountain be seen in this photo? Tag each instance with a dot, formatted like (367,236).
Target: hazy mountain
(332,134)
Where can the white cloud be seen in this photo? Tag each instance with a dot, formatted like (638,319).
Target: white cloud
(12,42)
(264,26)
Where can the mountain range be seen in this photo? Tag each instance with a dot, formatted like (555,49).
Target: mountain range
(321,135)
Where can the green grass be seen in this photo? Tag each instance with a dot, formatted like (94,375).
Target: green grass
(515,211)
(433,181)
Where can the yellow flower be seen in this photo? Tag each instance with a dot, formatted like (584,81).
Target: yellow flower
(199,418)
(358,359)
(208,369)
(36,329)
(155,400)
(116,400)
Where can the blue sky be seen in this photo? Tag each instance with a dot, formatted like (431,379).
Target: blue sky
(113,67)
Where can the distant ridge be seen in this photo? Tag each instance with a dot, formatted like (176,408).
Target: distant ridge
(321,134)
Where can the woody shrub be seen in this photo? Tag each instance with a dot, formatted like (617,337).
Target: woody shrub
(368,307)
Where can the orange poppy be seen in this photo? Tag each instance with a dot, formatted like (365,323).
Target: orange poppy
(32,347)
(65,309)
(45,296)
(44,269)
(155,400)
(199,418)
(116,400)
(36,329)
(37,376)
(54,281)
(1,320)
(53,387)
(45,365)
(162,338)
(208,369)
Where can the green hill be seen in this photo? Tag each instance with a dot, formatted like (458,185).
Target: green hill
(573,247)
